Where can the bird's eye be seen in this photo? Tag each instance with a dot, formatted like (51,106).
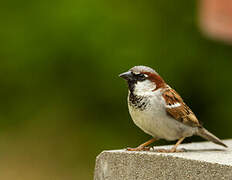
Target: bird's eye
(140,75)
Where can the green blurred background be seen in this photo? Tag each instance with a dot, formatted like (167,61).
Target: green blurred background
(61,100)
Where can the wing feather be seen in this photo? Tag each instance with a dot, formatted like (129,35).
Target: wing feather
(178,109)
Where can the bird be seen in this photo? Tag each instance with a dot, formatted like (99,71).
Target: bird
(159,110)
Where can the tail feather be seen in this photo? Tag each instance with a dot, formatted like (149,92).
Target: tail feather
(209,136)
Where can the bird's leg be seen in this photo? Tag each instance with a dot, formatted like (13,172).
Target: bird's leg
(177,144)
(143,147)
(173,149)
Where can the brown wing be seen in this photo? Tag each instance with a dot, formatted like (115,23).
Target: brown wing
(178,109)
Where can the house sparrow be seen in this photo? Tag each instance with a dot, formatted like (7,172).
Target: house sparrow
(159,110)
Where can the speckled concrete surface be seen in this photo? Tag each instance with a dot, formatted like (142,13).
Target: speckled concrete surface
(200,161)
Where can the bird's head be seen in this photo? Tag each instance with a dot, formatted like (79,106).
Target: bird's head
(142,79)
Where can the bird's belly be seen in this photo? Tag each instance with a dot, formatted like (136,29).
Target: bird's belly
(158,124)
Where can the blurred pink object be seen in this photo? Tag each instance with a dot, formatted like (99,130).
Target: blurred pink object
(216,18)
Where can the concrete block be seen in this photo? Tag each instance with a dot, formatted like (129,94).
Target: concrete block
(203,160)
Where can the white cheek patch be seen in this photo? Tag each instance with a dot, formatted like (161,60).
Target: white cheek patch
(144,88)
(174,105)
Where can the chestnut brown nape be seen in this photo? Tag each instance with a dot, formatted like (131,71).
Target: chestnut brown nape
(154,77)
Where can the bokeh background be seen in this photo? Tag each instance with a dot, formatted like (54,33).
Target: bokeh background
(61,100)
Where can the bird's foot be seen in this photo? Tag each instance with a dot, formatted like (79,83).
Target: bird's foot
(139,148)
(170,150)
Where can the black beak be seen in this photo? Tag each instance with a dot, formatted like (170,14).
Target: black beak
(126,75)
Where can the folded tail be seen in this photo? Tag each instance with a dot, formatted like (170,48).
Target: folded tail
(209,136)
